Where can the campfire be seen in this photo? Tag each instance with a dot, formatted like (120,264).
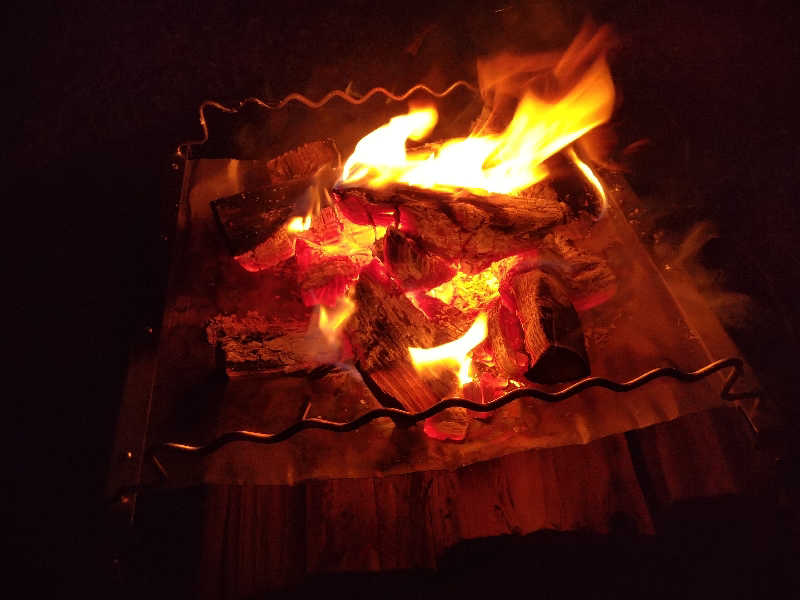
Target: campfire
(437,268)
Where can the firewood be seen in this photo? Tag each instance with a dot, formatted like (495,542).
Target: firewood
(380,332)
(304,161)
(552,334)
(474,230)
(505,338)
(385,323)
(323,278)
(253,344)
(271,252)
(415,268)
(403,387)
(251,218)
(588,277)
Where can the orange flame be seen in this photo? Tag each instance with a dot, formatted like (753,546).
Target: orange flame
(330,321)
(456,351)
(593,179)
(504,162)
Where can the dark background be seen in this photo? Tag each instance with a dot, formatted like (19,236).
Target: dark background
(100,94)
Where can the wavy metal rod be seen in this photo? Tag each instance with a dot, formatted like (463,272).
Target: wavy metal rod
(405,417)
(343,94)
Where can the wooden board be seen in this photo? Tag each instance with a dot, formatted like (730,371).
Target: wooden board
(260,538)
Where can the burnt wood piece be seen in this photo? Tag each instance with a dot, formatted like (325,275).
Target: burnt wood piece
(402,386)
(552,334)
(271,252)
(304,161)
(253,344)
(253,216)
(586,275)
(385,322)
(411,265)
(380,332)
(474,230)
(323,278)
(505,339)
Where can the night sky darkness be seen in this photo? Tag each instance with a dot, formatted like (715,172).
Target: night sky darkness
(100,94)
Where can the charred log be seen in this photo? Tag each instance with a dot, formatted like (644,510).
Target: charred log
(381,330)
(415,268)
(587,276)
(505,338)
(385,323)
(552,334)
(304,161)
(271,252)
(402,386)
(254,345)
(252,217)
(323,278)
(474,230)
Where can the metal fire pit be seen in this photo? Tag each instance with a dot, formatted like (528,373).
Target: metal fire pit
(656,350)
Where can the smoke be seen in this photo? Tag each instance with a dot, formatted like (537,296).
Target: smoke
(734,309)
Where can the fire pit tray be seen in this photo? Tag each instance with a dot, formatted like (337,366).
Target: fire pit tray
(643,327)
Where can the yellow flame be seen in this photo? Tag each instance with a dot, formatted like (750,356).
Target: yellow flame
(299,224)
(331,320)
(593,179)
(470,291)
(505,162)
(456,351)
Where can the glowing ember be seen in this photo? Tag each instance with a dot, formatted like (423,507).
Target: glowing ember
(466,292)
(456,351)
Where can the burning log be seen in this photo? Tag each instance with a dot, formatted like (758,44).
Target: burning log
(551,348)
(474,230)
(252,344)
(588,277)
(412,266)
(506,340)
(273,251)
(252,222)
(252,218)
(386,323)
(323,278)
(304,161)
(381,330)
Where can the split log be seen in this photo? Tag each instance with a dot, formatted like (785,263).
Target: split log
(323,278)
(588,277)
(252,222)
(252,218)
(380,332)
(304,161)
(474,230)
(552,337)
(505,338)
(255,345)
(401,386)
(385,323)
(411,265)
(276,249)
